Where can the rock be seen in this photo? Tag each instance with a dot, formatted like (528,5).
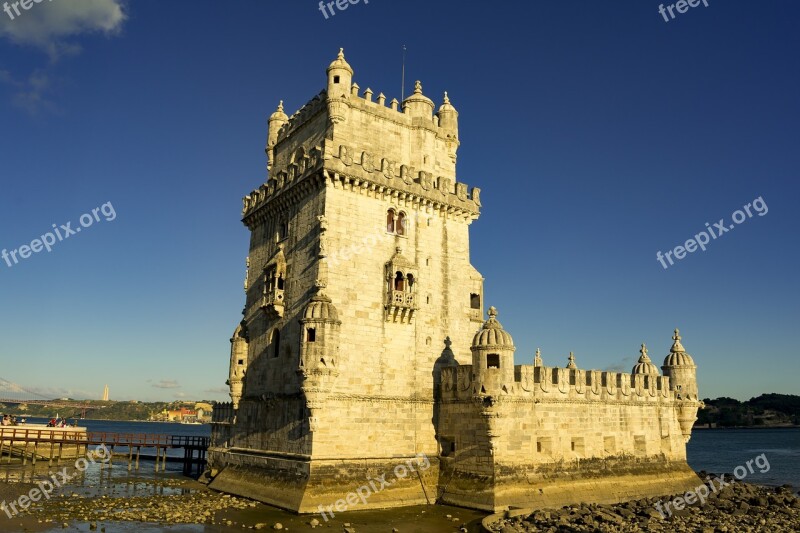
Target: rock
(277,525)
(314,522)
(260,526)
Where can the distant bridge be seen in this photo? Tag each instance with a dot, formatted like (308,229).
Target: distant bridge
(13,394)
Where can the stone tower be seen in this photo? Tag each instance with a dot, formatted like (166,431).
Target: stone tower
(358,277)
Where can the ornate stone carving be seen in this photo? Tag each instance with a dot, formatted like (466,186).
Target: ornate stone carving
(368,162)
(461,191)
(389,168)
(345,155)
(425,180)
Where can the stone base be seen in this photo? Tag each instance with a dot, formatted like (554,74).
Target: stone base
(606,481)
(302,485)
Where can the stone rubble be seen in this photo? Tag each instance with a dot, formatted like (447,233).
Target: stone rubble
(739,508)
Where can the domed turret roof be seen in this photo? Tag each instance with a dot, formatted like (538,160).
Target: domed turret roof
(447,107)
(645,365)
(418,97)
(340,63)
(279,114)
(677,355)
(492,334)
(320,308)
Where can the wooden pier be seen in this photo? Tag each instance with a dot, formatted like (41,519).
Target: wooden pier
(55,445)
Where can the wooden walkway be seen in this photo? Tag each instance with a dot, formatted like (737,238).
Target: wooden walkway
(63,444)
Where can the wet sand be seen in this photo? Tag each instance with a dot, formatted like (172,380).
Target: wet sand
(113,500)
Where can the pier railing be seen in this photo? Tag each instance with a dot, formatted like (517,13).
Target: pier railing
(57,444)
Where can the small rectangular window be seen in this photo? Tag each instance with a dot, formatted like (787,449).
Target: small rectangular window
(311,335)
(475,301)
(493,360)
(577,445)
(544,445)
(336,79)
(241,361)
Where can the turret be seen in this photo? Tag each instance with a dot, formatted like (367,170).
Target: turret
(340,81)
(319,353)
(340,77)
(682,371)
(276,122)
(418,105)
(571,361)
(644,365)
(238,366)
(448,118)
(493,356)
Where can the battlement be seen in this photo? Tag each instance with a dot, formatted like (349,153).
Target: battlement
(541,382)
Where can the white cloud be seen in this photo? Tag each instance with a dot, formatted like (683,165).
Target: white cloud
(47,24)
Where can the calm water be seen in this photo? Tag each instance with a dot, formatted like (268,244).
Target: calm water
(719,450)
(722,450)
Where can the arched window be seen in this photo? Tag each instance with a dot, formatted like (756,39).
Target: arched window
(390,221)
(280,282)
(276,343)
(401,223)
(410,282)
(399,282)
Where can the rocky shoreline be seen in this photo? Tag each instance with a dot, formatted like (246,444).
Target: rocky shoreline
(731,507)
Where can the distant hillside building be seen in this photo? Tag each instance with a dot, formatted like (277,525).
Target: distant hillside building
(363,343)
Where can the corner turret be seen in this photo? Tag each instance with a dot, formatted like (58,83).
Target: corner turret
(319,353)
(448,119)
(682,371)
(276,122)
(493,356)
(238,366)
(340,77)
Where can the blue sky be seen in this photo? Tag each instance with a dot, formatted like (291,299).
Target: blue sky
(599,134)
